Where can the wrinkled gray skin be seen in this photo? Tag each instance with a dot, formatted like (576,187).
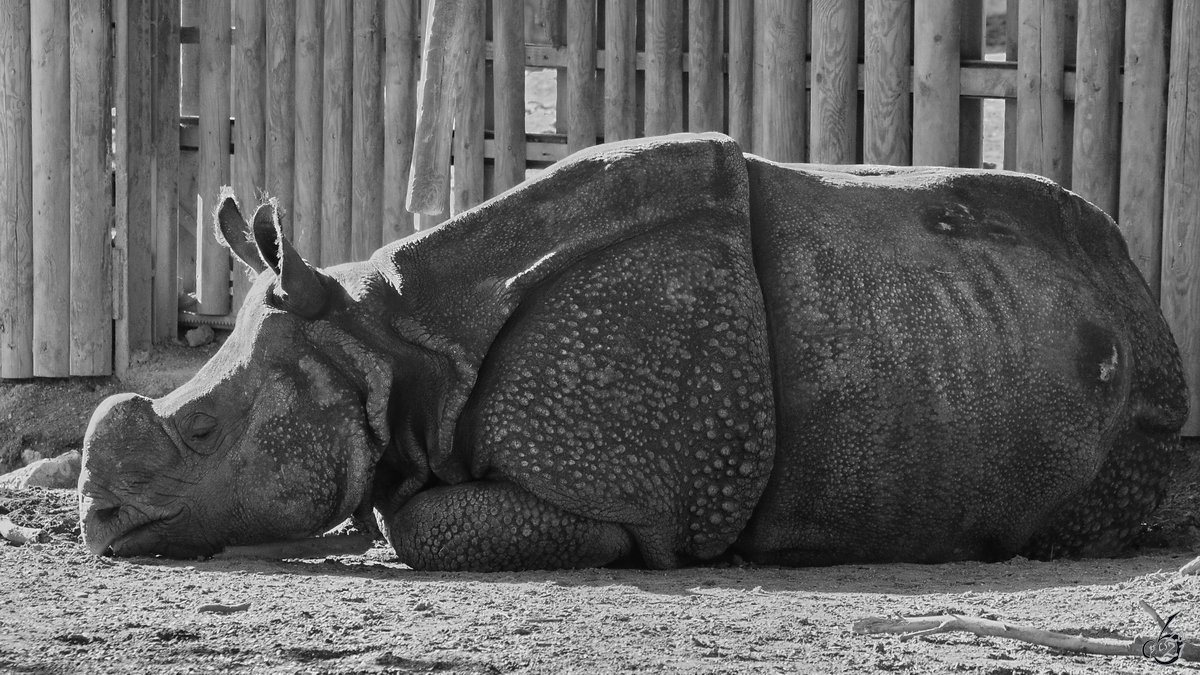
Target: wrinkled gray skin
(664,351)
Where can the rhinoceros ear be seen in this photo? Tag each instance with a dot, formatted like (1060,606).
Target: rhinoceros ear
(299,290)
(234,232)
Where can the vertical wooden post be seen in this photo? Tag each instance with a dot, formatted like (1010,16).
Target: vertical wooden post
(402,18)
(50,32)
(310,59)
(581,74)
(887,107)
(16,193)
(664,67)
(620,71)
(1143,134)
(1096,165)
(1040,89)
(782,32)
(337,117)
(1011,26)
(165,169)
(134,157)
(279,161)
(706,84)
(434,179)
(91,188)
(1181,200)
(508,33)
(366,210)
(428,191)
(189,161)
(834,126)
(970,110)
(935,82)
(741,73)
(468,189)
(212,259)
(1070,10)
(248,165)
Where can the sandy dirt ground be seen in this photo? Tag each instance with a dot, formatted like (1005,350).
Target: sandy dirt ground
(65,611)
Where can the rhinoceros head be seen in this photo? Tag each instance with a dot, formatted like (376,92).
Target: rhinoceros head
(271,440)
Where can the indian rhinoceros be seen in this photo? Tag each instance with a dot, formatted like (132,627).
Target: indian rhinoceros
(664,351)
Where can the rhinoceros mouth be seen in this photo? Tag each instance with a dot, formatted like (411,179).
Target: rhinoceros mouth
(126,530)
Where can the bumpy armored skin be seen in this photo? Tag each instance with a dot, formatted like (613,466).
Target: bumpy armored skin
(666,350)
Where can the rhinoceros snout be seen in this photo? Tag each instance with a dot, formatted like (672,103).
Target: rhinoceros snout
(125,447)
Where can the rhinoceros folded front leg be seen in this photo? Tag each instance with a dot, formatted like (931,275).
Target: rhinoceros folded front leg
(486,526)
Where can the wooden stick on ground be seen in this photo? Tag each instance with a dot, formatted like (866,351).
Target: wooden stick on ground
(920,626)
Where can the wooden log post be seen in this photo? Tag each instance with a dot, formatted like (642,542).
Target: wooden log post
(779,96)
(581,74)
(936,83)
(50,46)
(189,160)
(970,110)
(91,196)
(16,193)
(337,129)
(834,107)
(212,259)
(706,81)
(664,67)
(468,188)
(1143,135)
(164,170)
(508,68)
(741,73)
(366,210)
(428,182)
(279,161)
(887,90)
(134,157)
(620,70)
(248,165)
(402,53)
(1096,164)
(1040,89)
(1012,25)
(309,95)
(1070,10)
(1181,200)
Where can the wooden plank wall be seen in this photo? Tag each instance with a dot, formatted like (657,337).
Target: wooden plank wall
(1181,205)
(323,96)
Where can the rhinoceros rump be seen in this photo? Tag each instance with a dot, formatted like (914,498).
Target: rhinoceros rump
(665,350)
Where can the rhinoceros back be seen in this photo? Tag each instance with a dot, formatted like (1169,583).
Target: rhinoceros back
(966,364)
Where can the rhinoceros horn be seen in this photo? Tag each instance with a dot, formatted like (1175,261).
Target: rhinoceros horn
(300,288)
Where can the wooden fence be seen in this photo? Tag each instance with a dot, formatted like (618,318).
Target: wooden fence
(100,250)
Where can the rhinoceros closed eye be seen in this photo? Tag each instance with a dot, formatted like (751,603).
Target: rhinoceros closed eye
(197,429)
